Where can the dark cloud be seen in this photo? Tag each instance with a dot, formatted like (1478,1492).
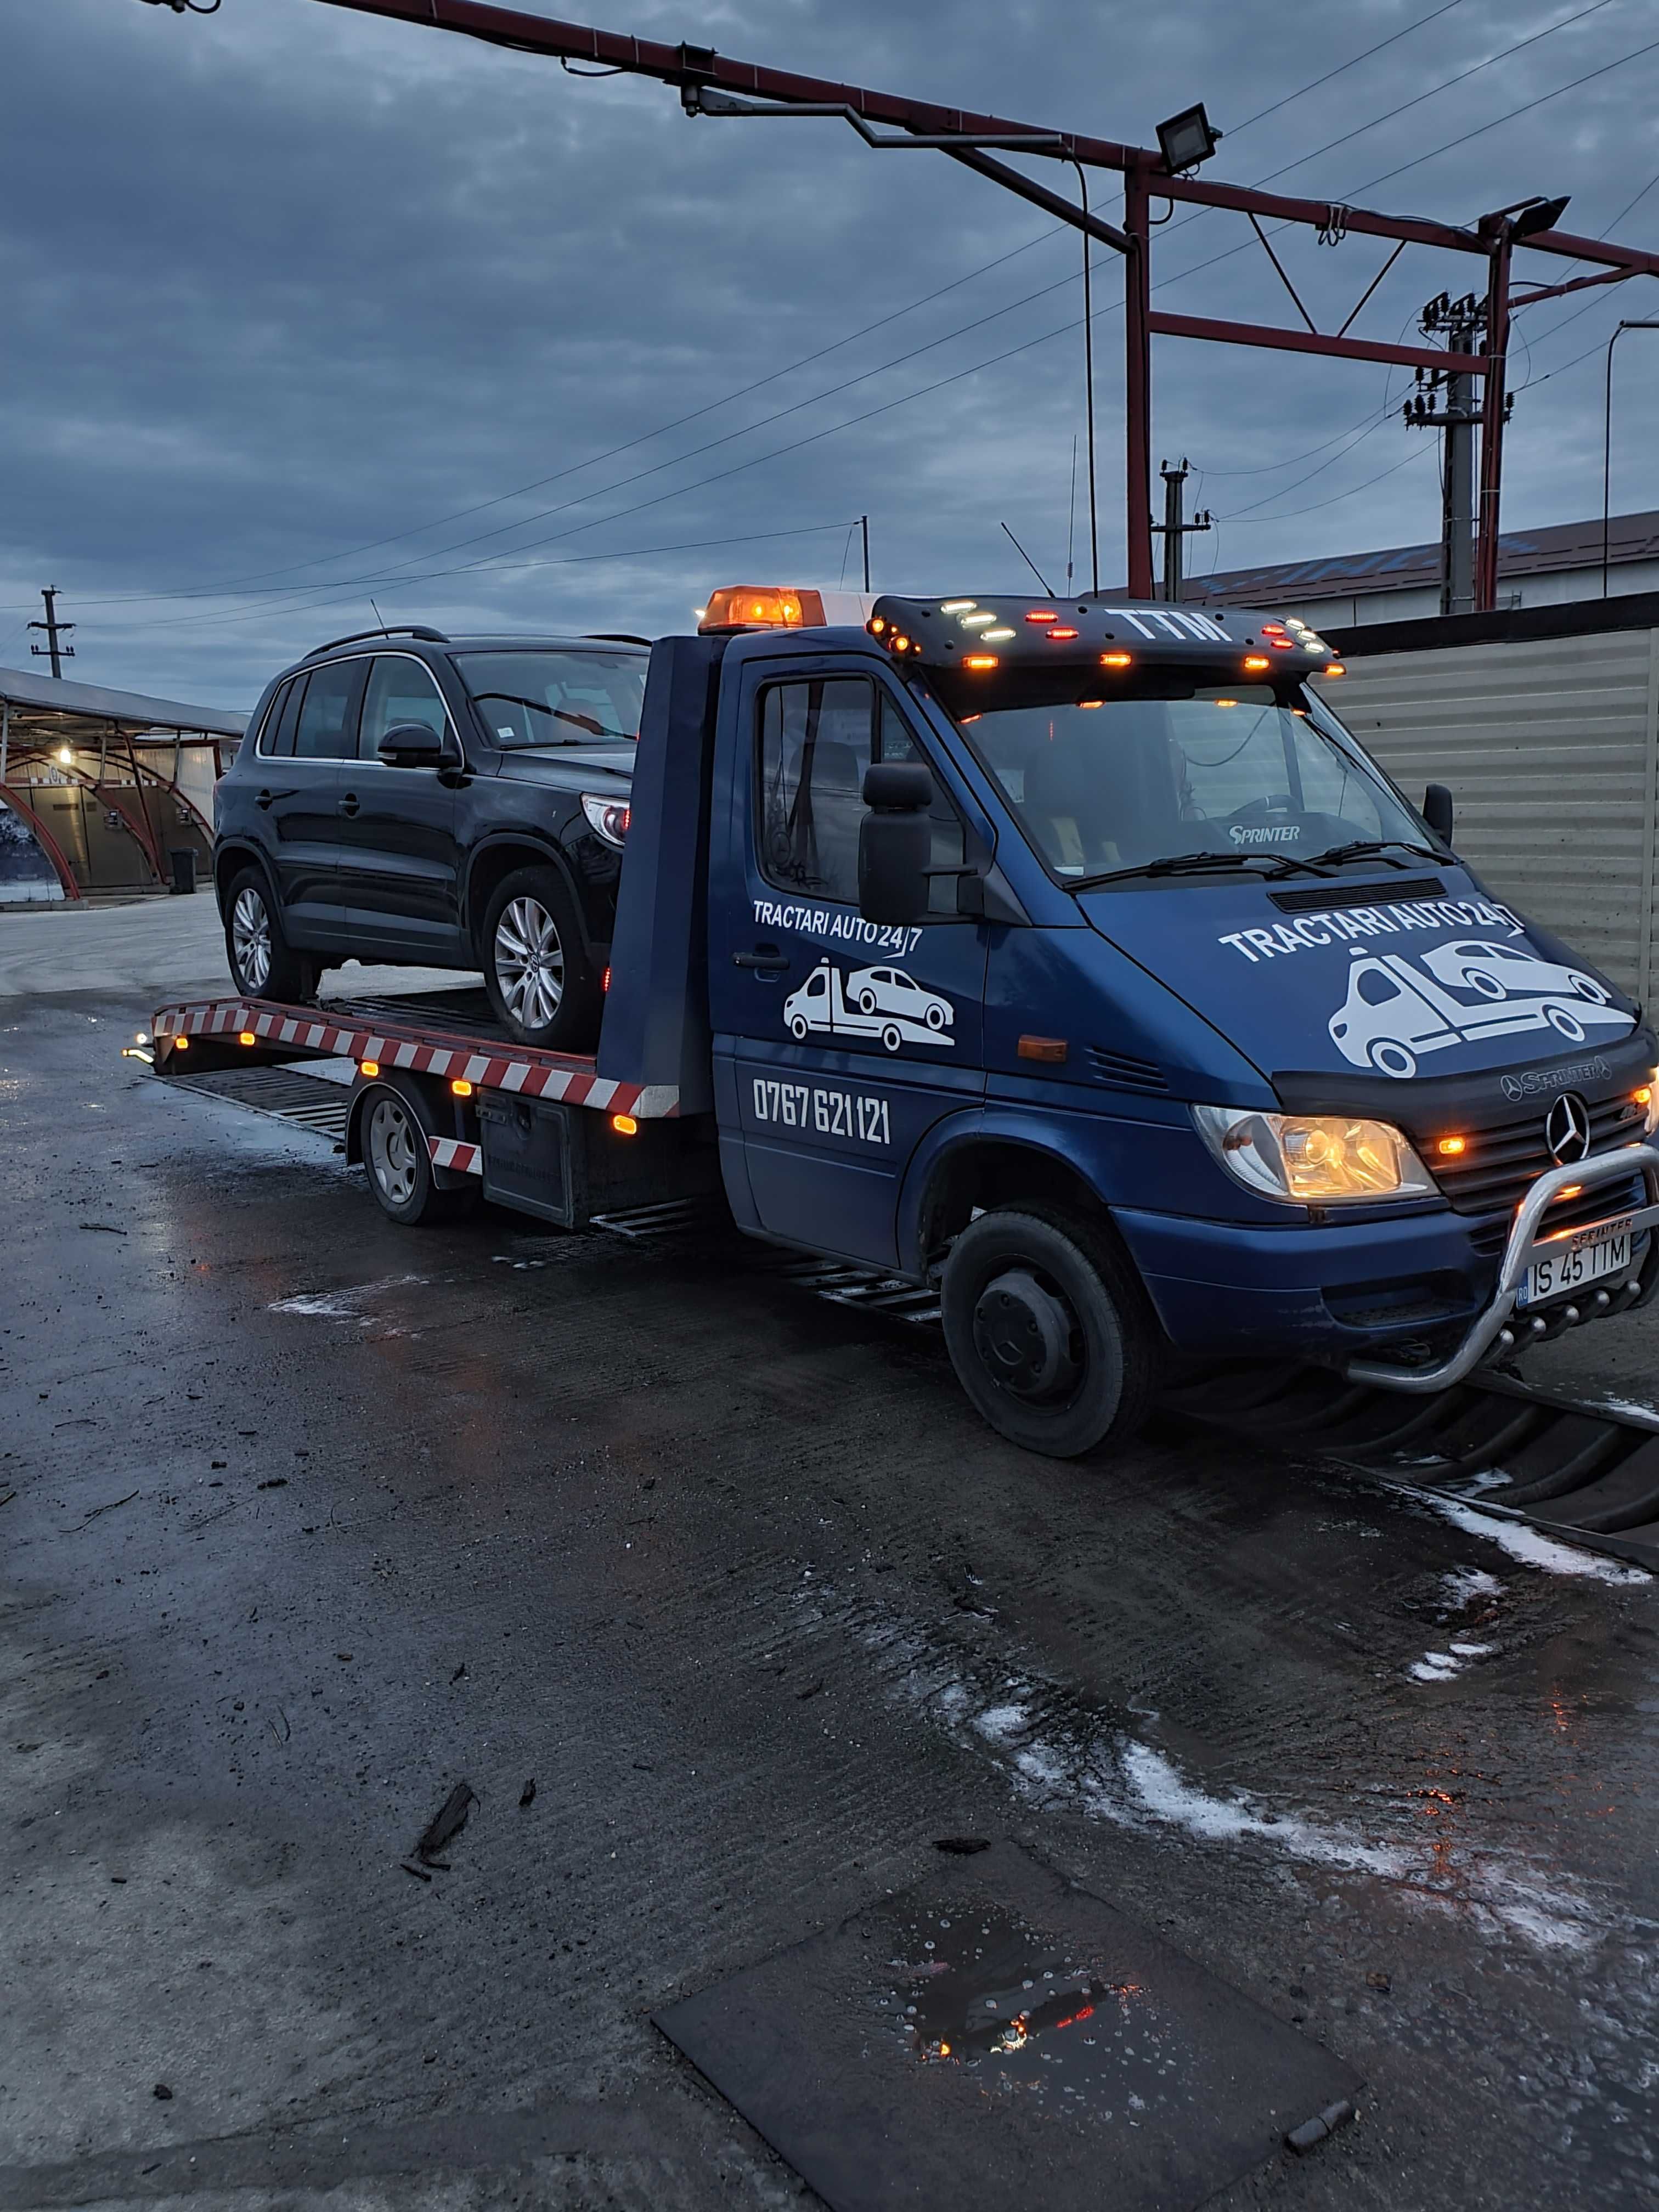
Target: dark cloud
(286,281)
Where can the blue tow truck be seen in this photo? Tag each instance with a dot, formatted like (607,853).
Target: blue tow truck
(1072,957)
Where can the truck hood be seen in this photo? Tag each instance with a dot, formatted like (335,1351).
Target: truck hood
(544,763)
(1428,976)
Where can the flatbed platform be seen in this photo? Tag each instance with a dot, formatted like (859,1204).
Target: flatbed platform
(452,1034)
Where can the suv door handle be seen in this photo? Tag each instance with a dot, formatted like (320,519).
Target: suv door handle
(349,803)
(765,960)
(265,798)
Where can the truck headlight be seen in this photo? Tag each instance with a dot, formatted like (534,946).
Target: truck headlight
(1314,1160)
(1648,1099)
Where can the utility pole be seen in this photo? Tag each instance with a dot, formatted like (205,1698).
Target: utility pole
(1444,400)
(54,630)
(1172,529)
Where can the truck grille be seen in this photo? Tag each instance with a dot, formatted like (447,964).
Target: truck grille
(1504,1160)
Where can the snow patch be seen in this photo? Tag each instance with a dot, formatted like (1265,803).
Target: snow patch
(998,1723)
(1464,1584)
(1628,1408)
(1534,1549)
(341,1305)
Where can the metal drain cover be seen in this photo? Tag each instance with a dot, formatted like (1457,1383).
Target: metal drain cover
(996,2036)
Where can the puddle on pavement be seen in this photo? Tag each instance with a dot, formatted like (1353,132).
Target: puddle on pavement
(982,1990)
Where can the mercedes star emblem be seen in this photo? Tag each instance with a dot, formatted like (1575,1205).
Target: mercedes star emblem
(1567,1129)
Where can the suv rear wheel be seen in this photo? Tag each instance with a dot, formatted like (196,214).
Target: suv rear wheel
(263,963)
(540,981)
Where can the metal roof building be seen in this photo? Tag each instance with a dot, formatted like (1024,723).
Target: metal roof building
(98,787)
(1535,568)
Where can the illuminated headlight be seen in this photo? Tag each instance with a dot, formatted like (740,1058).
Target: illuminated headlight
(606,818)
(1314,1160)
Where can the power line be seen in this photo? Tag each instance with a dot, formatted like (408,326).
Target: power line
(228,588)
(398,576)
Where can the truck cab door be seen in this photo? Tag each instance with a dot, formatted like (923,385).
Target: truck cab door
(838,1042)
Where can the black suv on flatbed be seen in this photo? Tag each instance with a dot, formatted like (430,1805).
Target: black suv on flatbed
(402,796)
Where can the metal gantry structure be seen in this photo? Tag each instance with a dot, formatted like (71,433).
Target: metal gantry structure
(714,84)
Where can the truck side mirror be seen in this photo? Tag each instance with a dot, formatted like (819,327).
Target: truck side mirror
(894,843)
(1438,812)
(413,744)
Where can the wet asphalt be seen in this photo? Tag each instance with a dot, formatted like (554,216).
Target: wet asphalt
(306,1519)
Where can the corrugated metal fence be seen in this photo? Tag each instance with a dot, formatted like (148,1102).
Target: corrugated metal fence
(1550,747)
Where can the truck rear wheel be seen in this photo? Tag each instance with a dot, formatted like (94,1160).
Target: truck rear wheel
(1050,1336)
(393,1139)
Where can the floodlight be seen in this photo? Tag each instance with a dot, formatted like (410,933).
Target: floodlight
(1542,214)
(1187,139)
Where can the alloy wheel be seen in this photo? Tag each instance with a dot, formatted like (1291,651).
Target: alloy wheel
(250,934)
(529,962)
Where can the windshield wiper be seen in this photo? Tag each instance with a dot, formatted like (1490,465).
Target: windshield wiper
(557,713)
(1363,846)
(1192,864)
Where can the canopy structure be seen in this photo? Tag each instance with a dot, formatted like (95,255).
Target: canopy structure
(98,787)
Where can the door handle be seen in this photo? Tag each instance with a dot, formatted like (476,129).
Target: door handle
(265,798)
(349,803)
(765,960)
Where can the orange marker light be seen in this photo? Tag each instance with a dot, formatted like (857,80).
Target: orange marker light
(1043,615)
(1644,1096)
(181,1044)
(460,1088)
(606,984)
(1450,1147)
(1062,633)
(877,623)
(1334,668)
(624,1125)
(1117,660)
(1086,703)
(1254,662)
(980,661)
(369,1067)
(247,1037)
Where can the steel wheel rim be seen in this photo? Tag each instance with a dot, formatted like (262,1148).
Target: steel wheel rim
(529,962)
(250,934)
(391,1154)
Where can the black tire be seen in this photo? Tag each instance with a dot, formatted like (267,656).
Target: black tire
(1050,1335)
(392,1137)
(540,982)
(263,963)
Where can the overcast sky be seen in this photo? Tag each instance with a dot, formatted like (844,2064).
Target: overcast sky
(301,306)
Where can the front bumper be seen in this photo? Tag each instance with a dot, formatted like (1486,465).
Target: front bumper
(1349,1295)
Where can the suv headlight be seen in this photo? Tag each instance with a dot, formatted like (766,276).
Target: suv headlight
(607,818)
(1314,1160)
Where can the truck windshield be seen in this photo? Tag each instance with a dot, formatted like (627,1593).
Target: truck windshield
(547,698)
(1101,787)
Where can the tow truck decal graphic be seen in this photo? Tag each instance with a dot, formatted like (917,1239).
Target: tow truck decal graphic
(1397,1010)
(883,1003)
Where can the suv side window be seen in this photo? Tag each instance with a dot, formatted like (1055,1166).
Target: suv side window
(327,727)
(277,736)
(816,736)
(400,689)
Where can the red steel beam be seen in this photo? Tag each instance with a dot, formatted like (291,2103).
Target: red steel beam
(48,844)
(1281,339)
(543,34)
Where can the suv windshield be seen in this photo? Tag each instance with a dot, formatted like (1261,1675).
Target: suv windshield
(550,697)
(1102,785)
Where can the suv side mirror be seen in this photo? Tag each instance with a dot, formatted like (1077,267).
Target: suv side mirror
(413,744)
(1438,812)
(896,843)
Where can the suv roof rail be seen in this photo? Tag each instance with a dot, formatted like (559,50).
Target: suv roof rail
(616,637)
(388,630)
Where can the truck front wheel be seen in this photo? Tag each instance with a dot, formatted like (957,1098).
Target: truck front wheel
(1050,1337)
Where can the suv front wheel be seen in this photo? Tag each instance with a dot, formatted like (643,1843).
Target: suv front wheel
(540,981)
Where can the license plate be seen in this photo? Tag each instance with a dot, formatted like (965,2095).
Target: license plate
(1605,1251)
